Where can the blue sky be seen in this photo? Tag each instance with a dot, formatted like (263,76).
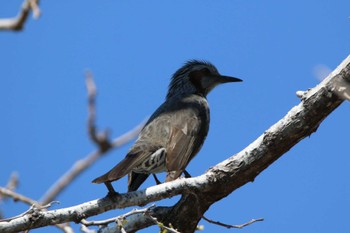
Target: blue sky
(133,48)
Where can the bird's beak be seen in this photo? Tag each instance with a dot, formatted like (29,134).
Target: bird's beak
(227,79)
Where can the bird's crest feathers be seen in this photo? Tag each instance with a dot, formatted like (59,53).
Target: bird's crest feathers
(180,83)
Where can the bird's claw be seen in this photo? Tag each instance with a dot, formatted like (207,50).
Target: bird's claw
(111,192)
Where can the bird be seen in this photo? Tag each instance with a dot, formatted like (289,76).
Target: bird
(175,132)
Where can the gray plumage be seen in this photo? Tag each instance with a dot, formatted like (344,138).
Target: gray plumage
(176,130)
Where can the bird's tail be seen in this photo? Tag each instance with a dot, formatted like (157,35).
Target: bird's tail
(101,179)
(121,169)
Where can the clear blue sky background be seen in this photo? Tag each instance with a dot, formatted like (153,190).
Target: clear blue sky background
(133,48)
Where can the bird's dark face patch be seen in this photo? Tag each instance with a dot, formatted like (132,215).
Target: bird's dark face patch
(196,77)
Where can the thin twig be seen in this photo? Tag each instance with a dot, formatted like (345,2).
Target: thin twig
(120,225)
(11,185)
(13,181)
(65,227)
(122,217)
(84,164)
(187,175)
(33,208)
(100,139)
(29,211)
(34,4)
(18,197)
(104,146)
(120,220)
(233,226)
(17,23)
(161,225)
(85,229)
(103,143)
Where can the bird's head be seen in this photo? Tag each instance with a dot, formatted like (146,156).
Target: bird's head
(197,77)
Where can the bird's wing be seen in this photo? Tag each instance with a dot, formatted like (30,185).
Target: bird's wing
(187,135)
(152,137)
(180,147)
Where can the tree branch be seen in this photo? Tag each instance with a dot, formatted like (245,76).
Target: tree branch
(103,143)
(199,193)
(126,223)
(18,197)
(300,122)
(11,185)
(122,217)
(232,226)
(17,23)
(35,206)
(136,222)
(84,164)
(101,140)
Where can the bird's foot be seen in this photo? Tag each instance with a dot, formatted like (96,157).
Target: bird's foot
(156,179)
(187,175)
(111,192)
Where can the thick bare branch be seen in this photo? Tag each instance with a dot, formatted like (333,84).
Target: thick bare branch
(17,23)
(199,193)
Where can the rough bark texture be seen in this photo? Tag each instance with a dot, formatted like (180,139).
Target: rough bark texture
(199,193)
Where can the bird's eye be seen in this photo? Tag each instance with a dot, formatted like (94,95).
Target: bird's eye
(205,71)
(196,76)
